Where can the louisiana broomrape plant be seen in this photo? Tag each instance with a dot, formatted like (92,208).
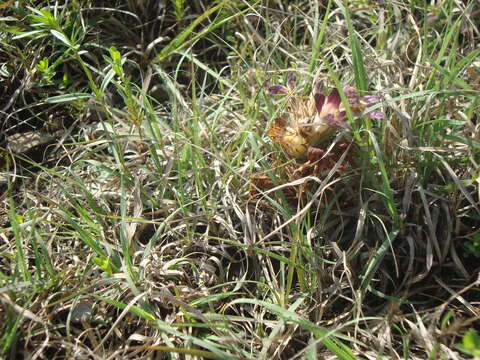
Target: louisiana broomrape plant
(308,121)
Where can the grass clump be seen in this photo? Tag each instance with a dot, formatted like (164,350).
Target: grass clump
(140,228)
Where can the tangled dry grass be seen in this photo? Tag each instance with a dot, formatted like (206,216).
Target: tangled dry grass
(153,216)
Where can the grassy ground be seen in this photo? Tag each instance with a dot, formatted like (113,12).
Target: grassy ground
(139,227)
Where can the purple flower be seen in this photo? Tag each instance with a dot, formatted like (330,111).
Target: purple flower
(291,80)
(358,103)
(280,89)
(308,120)
(329,109)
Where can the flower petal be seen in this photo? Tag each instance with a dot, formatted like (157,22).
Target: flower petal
(339,121)
(334,98)
(376,114)
(350,92)
(291,80)
(329,119)
(353,99)
(370,99)
(319,101)
(278,89)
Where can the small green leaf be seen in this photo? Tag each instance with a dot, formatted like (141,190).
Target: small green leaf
(115,54)
(133,309)
(62,37)
(105,264)
(180,40)
(43,65)
(470,344)
(28,34)
(67,98)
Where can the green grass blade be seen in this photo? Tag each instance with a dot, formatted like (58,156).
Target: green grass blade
(377,260)
(67,98)
(318,43)
(387,190)
(357,57)
(334,345)
(179,41)
(15,220)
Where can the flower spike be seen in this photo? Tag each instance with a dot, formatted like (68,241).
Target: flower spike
(309,120)
(277,89)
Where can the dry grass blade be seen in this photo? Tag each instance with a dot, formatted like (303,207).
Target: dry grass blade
(151,207)
(323,184)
